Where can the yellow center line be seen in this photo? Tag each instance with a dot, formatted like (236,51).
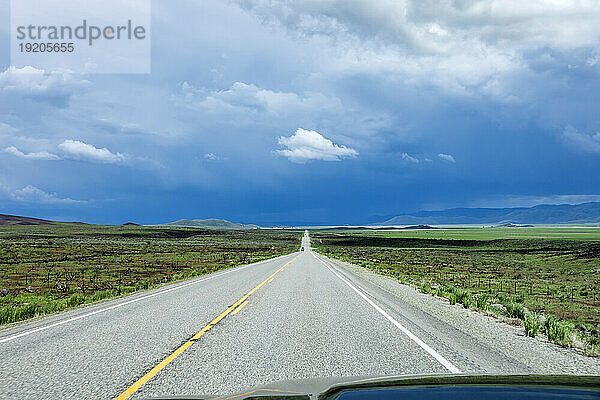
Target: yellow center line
(133,388)
(270,280)
(237,310)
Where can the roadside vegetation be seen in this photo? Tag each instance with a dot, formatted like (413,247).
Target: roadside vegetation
(546,281)
(50,268)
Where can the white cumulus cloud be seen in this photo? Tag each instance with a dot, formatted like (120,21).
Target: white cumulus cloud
(447,157)
(305,145)
(32,81)
(32,194)
(41,155)
(81,151)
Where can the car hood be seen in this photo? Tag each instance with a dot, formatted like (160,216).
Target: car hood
(323,388)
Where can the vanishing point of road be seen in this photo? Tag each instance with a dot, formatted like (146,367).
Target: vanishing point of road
(296,316)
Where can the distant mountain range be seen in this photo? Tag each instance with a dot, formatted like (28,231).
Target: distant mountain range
(586,213)
(210,224)
(542,214)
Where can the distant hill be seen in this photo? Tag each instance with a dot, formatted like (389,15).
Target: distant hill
(211,224)
(6,220)
(509,225)
(542,214)
(419,227)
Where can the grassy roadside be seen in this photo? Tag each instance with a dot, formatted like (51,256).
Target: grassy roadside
(548,286)
(52,268)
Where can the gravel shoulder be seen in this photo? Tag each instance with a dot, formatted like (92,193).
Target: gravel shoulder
(538,355)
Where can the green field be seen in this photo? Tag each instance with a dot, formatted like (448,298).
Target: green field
(48,268)
(549,271)
(559,232)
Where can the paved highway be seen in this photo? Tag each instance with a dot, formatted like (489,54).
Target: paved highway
(295,316)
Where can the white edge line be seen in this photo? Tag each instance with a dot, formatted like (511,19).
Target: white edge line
(447,364)
(45,327)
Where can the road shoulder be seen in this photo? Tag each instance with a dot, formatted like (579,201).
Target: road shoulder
(537,354)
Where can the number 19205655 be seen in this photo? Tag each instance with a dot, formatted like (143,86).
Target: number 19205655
(36,47)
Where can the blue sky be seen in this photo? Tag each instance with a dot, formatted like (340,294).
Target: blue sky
(313,112)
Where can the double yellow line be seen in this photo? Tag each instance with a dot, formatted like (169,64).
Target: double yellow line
(241,302)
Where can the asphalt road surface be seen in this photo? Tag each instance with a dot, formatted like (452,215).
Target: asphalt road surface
(292,317)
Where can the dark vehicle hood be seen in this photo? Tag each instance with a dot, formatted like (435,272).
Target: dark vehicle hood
(323,388)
